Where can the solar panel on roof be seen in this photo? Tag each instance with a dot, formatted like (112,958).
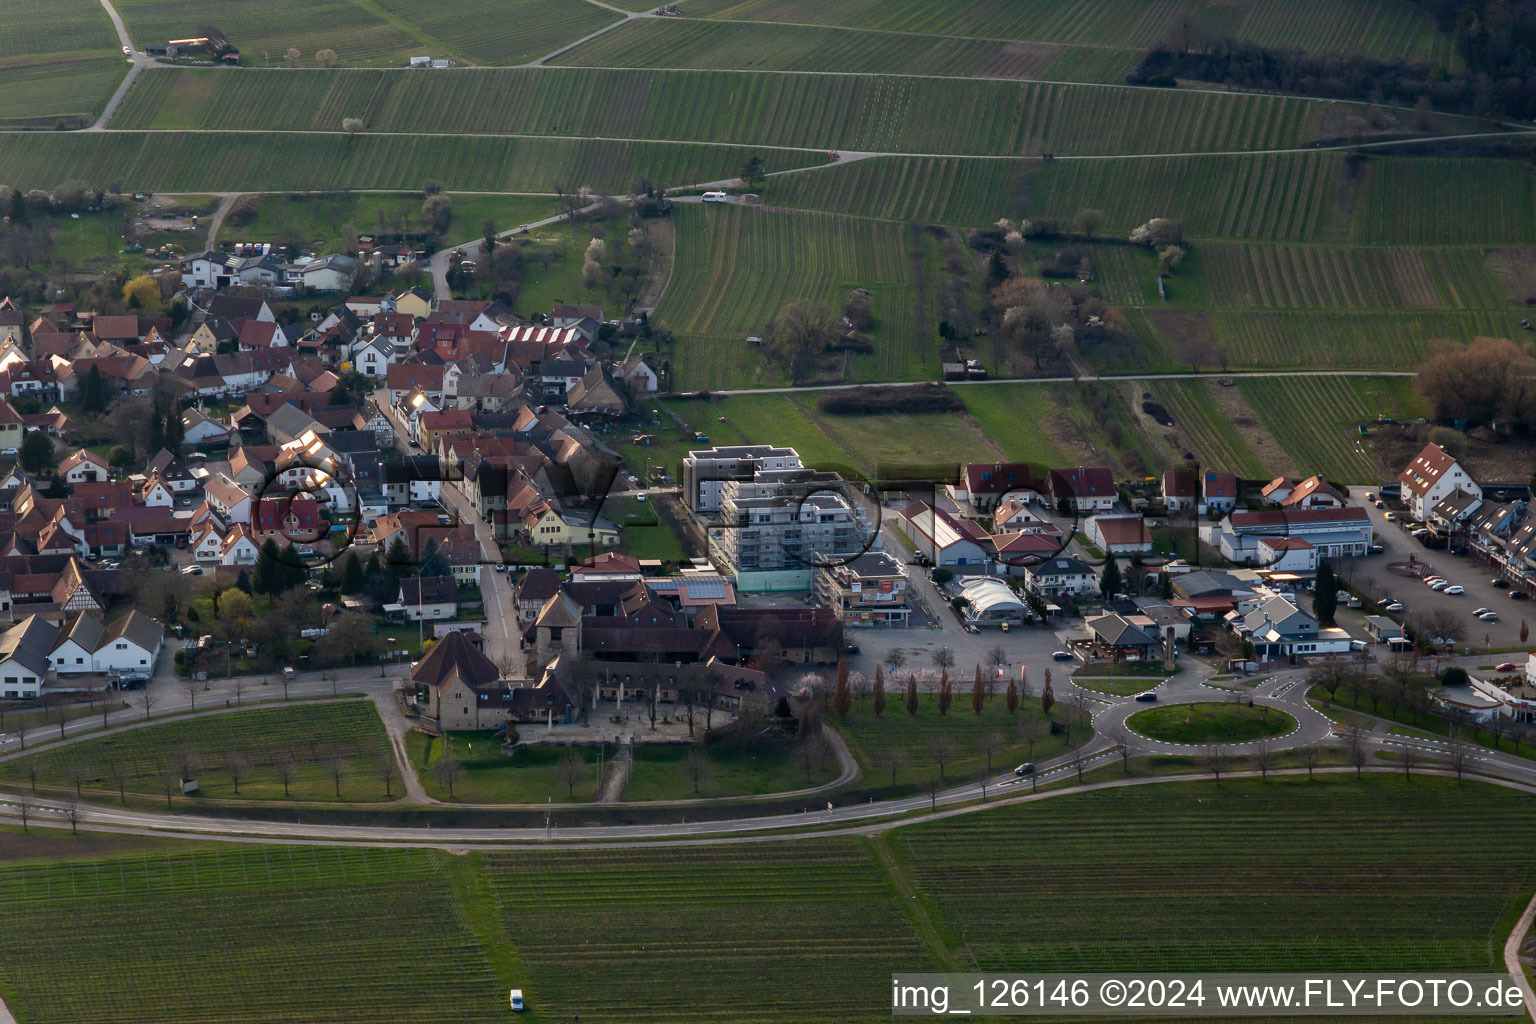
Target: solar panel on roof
(706,589)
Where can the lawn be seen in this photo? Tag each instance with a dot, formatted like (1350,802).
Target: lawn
(646,535)
(499,31)
(920,739)
(320,219)
(662,771)
(1010,415)
(1210,723)
(307,742)
(490,777)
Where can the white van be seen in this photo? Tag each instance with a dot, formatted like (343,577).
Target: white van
(517,999)
(716,197)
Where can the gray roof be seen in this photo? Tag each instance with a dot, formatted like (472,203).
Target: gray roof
(137,628)
(29,642)
(1117,631)
(1061,567)
(420,590)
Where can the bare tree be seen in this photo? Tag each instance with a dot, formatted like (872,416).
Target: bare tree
(1460,756)
(1121,737)
(1410,757)
(1359,753)
(61,712)
(19,730)
(695,766)
(569,770)
(170,781)
(990,743)
(1030,729)
(940,750)
(24,809)
(73,814)
(31,767)
(189,684)
(447,772)
(1214,758)
(896,760)
(386,770)
(119,776)
(1264,757)
(146,701)
(982,778)
(236,765)
(811,752)
(285,767)
(1310,756)
(77,774)
(943,659)
(932,786)
(104,701)
(997,656)
(337,766)
(237,684)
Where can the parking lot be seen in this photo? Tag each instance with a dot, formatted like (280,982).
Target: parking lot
(1372,576)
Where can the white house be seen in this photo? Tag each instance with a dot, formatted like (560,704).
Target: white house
(373,357)
(1432,475)
(328,273)
(209,544)
(24,658)
(1334,532)
(1118,535)
(1288,554)
(942,537)
(84,644)
(1061,577)
(431,597)
(1279,629)
(228,499)
(156,492)
(237,547)
(639,374)
(84,467)
(200,429)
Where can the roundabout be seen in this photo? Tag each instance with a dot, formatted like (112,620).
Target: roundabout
(1196,724)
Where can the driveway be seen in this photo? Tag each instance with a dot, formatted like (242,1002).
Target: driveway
(1373,576)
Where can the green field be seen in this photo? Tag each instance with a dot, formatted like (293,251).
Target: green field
(55,27)
(660,771)
(318,932)
(1315,419)
(217,161)
(1010,415)
(820,112)
(871,738)
(310,739)
(1069,883)
(1210,723)
(1374,27)
(359,33)
(1203,429)
(500,31)
(320,219)
(1268,877)
(1326,277)
(738,266)
(62,91)
(755,46)
(490,777)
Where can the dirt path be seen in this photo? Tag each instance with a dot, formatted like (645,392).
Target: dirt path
(663,238)
(226,202)
(1512,956)
(615,779)
(396,726)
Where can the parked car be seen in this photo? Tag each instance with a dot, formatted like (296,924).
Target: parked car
(1395,606)
(1454,591)
(1430,581)
(1375,549)
(1490,617)
(1062,655)
(1147,697)
(1379,504)
(1370,496)
(1439,585)
(1478,613)
(1390,517)
(192,570)
(1507,666)
(1519,595)
(1500,584)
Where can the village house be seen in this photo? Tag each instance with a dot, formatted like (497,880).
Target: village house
(1431,476)
(431,597)
(1119,535)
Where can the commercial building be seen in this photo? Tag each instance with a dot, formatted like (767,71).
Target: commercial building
(775,529)
(706,472)
(870,590)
